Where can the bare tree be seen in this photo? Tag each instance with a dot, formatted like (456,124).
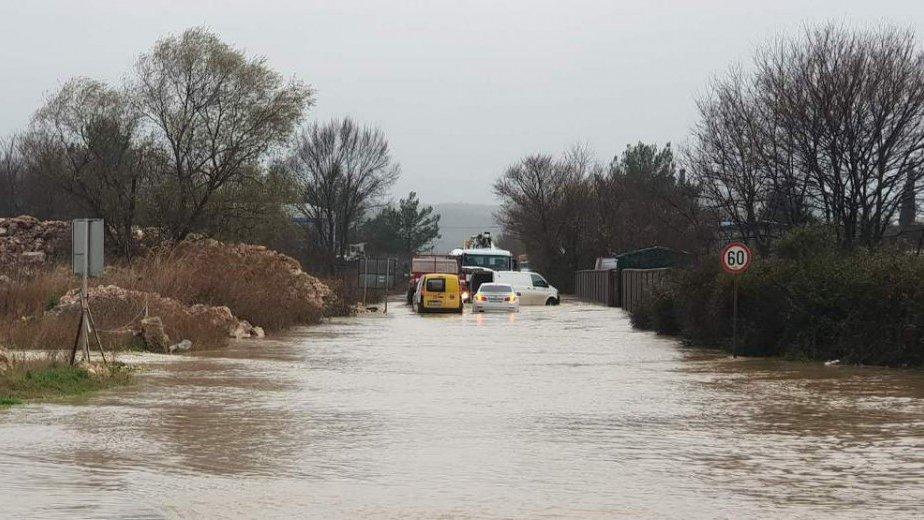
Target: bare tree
(546,207)
(342,170)
(11,176)
(830,127)
(216,113)
(86,141)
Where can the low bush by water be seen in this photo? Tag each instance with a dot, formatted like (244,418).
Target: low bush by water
(860,306)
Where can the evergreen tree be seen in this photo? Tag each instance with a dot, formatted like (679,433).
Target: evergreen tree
(404,230)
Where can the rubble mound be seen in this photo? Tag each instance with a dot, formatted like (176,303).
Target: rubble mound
(155,318)
(27,241)
(259,284)
(301,285)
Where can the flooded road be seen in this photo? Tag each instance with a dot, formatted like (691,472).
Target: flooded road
(552,413)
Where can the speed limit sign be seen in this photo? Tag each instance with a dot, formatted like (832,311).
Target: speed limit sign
(736,258)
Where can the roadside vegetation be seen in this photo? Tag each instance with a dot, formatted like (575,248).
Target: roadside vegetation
(49,377)
(807,299)
(201,138)
(244,166)
(203,291)
(811,154)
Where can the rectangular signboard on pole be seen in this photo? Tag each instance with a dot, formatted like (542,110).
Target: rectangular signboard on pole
(87,239)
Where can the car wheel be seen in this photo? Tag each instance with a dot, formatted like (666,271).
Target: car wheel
(551,301)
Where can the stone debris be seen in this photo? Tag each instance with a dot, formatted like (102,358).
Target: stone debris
(5,361)
(243,330)
(300,285)
(28,242)
(152,330)
(95,369)
(182,346)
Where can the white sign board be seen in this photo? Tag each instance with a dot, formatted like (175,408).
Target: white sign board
(87,248)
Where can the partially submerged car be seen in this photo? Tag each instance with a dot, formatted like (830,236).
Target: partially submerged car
(438,292)
(495,297)
(531,288)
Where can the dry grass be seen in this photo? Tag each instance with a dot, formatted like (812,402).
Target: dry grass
(24,301)
(257,285)
(31,294)
(344,296)
(263,287)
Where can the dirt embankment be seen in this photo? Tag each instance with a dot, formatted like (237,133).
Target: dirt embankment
(195,294)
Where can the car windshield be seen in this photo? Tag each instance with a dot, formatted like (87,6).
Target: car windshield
(436,285)
(495,262)
(492,288)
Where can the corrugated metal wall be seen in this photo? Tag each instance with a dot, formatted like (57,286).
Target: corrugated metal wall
(637,286)
(598,286)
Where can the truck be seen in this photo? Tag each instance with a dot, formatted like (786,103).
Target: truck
(428,264)
(478,260)
(474,264)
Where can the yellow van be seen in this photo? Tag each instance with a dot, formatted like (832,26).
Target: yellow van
(438,292)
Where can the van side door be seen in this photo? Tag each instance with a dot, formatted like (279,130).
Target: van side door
(521,285)
(540,289)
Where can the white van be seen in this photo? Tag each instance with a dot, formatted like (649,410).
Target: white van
(530,287)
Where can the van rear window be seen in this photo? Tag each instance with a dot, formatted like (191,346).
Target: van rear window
(436,285)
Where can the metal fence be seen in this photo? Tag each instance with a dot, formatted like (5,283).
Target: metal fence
(626,288)
(637,286)
(379,273)
(599,286)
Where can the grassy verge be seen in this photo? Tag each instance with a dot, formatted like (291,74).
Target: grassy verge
(49,378)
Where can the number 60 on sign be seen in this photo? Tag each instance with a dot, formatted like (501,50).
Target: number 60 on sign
(736,258)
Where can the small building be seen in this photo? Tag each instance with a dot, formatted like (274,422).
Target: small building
(648,258)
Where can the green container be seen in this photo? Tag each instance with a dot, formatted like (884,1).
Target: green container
(651,258)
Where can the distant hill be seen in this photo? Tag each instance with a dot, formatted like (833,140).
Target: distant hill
(459,220)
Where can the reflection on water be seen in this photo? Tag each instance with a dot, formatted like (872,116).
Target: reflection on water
(552,412)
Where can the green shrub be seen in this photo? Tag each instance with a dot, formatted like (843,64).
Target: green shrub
(50,377)
(658,313)
(803,302)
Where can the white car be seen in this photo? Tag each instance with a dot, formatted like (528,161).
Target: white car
(495,297)
(530,287)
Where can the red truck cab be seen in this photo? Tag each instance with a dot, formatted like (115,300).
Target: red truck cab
(429,264)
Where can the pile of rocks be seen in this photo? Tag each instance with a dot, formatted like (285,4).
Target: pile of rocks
(300,285)
(27,241)
(6,362)
(154,313)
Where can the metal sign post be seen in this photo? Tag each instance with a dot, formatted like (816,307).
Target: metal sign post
(385,289)
(87,260)
(736,259)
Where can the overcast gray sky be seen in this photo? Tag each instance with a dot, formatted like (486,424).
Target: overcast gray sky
(462,89)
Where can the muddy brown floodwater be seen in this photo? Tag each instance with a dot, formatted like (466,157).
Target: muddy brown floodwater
(552,413)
